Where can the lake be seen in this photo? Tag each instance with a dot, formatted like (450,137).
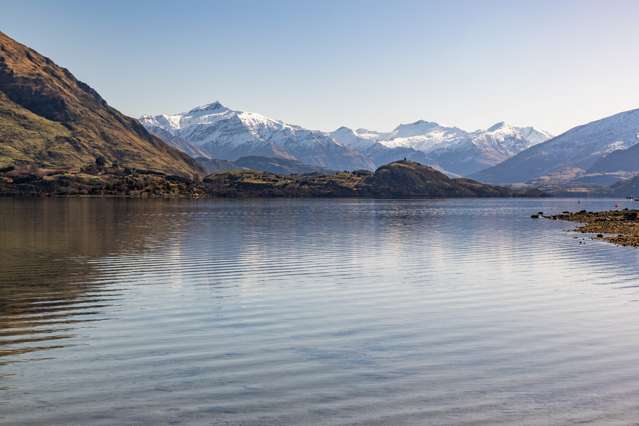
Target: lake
(313,312)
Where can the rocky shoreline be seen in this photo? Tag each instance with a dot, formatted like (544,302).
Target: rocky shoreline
(619,227)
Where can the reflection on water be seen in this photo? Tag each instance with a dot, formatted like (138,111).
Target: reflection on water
(48,280)
(312,311)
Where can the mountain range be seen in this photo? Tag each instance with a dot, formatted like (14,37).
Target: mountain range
(599,153)
(602,146)
(51,120)
(448,148)
(216,131)
(225,134)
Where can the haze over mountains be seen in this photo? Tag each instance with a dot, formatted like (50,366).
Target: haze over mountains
(216,131)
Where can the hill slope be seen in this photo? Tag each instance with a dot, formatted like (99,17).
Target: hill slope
(623,160)
(49,118)
(569,154)
(626,188)
(410,179)
(280,166)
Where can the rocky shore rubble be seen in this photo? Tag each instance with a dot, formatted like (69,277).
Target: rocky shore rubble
(616,226)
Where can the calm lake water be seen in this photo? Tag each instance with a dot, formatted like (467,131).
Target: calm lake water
(313,312)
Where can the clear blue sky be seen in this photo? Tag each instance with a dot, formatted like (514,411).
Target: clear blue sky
(374,64)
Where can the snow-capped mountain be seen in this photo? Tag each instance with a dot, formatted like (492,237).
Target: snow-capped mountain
(177,142)
(449,148)
(217,132)
(573,152)
(485,148)
(424,136)
(226,134)
(501,141)
(360,139)
(366,142)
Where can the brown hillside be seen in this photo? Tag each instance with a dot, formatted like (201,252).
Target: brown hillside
(49,118)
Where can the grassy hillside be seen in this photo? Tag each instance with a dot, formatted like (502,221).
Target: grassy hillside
(50,119)
(25,136)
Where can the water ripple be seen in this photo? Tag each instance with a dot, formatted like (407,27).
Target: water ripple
(313,312)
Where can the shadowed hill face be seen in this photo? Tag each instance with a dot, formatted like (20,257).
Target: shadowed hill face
(394,180)
(402,179)
(275,165)
(50,118)
(410,179)
(278,165)
(619,160)
(626,188)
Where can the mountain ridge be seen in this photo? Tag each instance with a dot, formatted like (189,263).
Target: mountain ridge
(572,152)
(50,118)
(224,133)
(228,134)
(449,148)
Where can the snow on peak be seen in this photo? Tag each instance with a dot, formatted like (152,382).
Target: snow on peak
(198,115)
(344,130)
(226,132)
(414,129)
(212,107)
(423,136)
(369,134)
(497,126)
(359,139)
(229,134)
(462,151)
(164,121)
(502,141)
(216,123)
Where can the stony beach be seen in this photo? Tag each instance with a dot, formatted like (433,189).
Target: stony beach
(616,226)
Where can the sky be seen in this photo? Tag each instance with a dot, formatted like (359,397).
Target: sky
(372,64)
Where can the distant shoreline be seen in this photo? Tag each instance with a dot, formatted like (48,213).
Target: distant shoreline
(400,179)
